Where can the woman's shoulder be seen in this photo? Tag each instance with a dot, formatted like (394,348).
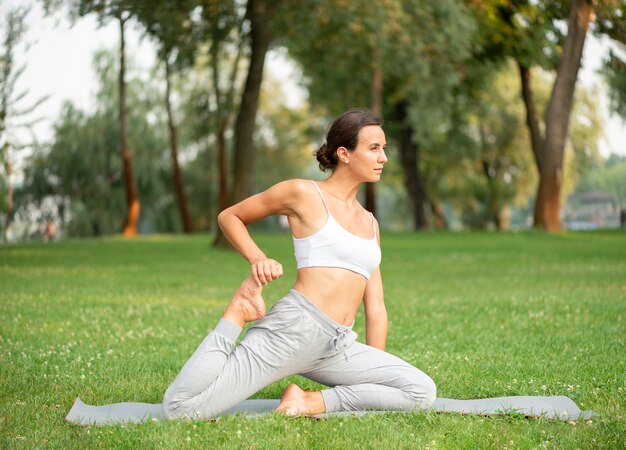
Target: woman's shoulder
(295,186)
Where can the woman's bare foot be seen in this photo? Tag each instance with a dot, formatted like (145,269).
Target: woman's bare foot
(247,304)
(295,402)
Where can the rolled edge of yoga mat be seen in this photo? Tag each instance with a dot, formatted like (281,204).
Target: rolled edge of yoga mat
(552,407)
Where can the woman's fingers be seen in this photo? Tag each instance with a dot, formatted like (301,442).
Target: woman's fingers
(277,270)
(266,270)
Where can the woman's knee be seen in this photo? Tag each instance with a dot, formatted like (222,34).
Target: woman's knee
(423,391)
(430,392)
(170,405)
(176,407)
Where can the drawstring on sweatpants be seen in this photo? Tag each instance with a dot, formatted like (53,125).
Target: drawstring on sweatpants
(341,339)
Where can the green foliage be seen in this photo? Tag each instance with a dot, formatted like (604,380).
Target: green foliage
(418,43)
(496,172)
(484,314)
(610,20)
(528,31)
(615,75)
(585,131)
(608,177)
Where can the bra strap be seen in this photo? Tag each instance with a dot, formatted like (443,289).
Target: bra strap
(322,196)
(373,224)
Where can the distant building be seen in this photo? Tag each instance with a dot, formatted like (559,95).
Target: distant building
(592,210)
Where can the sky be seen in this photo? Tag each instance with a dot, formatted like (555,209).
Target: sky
(58,64)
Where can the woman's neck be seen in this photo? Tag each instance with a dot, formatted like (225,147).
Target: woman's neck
(342,188)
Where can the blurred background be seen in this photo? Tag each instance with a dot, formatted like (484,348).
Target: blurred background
(141,116)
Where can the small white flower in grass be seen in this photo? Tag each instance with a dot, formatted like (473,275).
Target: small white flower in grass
(544,387)
(20,403)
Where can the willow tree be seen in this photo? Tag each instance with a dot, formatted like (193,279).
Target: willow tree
(13,111)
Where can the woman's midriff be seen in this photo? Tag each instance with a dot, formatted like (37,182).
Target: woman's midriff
(336,292)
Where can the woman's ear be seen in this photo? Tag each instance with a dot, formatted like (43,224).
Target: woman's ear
(343,155)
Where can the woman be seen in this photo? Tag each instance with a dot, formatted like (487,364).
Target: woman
(309,331)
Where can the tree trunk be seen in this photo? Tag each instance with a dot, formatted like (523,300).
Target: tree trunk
(223,104)
(7,219)
(409,153)
(377,109)
(259,12)
(547,204)
(220,240)
(132,201)
(494,210)
(177,175)
(536,139)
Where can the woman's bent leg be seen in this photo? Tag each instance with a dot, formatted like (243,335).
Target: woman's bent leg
(220,375)
(201,388)
(201,370)
(368,378)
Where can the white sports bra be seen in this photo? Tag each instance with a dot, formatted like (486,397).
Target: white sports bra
(334,246)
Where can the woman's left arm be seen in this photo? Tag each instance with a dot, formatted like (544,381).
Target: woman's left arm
(375,312)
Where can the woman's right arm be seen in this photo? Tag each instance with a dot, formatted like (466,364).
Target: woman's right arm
(282,198)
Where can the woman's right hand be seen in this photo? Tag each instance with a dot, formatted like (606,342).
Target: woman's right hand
(265,270)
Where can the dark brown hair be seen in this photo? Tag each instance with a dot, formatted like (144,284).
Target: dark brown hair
(344,132)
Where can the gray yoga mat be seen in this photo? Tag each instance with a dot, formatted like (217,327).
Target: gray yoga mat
(555,407)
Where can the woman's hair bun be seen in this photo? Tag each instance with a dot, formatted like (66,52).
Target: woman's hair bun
(324,158)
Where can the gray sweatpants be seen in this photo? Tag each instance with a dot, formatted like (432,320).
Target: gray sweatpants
(295,337)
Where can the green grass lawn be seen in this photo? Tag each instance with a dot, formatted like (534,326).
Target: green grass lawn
(483,314)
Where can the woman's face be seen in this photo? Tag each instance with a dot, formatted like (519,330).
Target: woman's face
(368,158)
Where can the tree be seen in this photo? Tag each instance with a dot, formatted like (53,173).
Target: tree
(530,32)
(224,31)
(171,25)
(549,155)
(259,14)
(120,11)
(132,199)
(11,103)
